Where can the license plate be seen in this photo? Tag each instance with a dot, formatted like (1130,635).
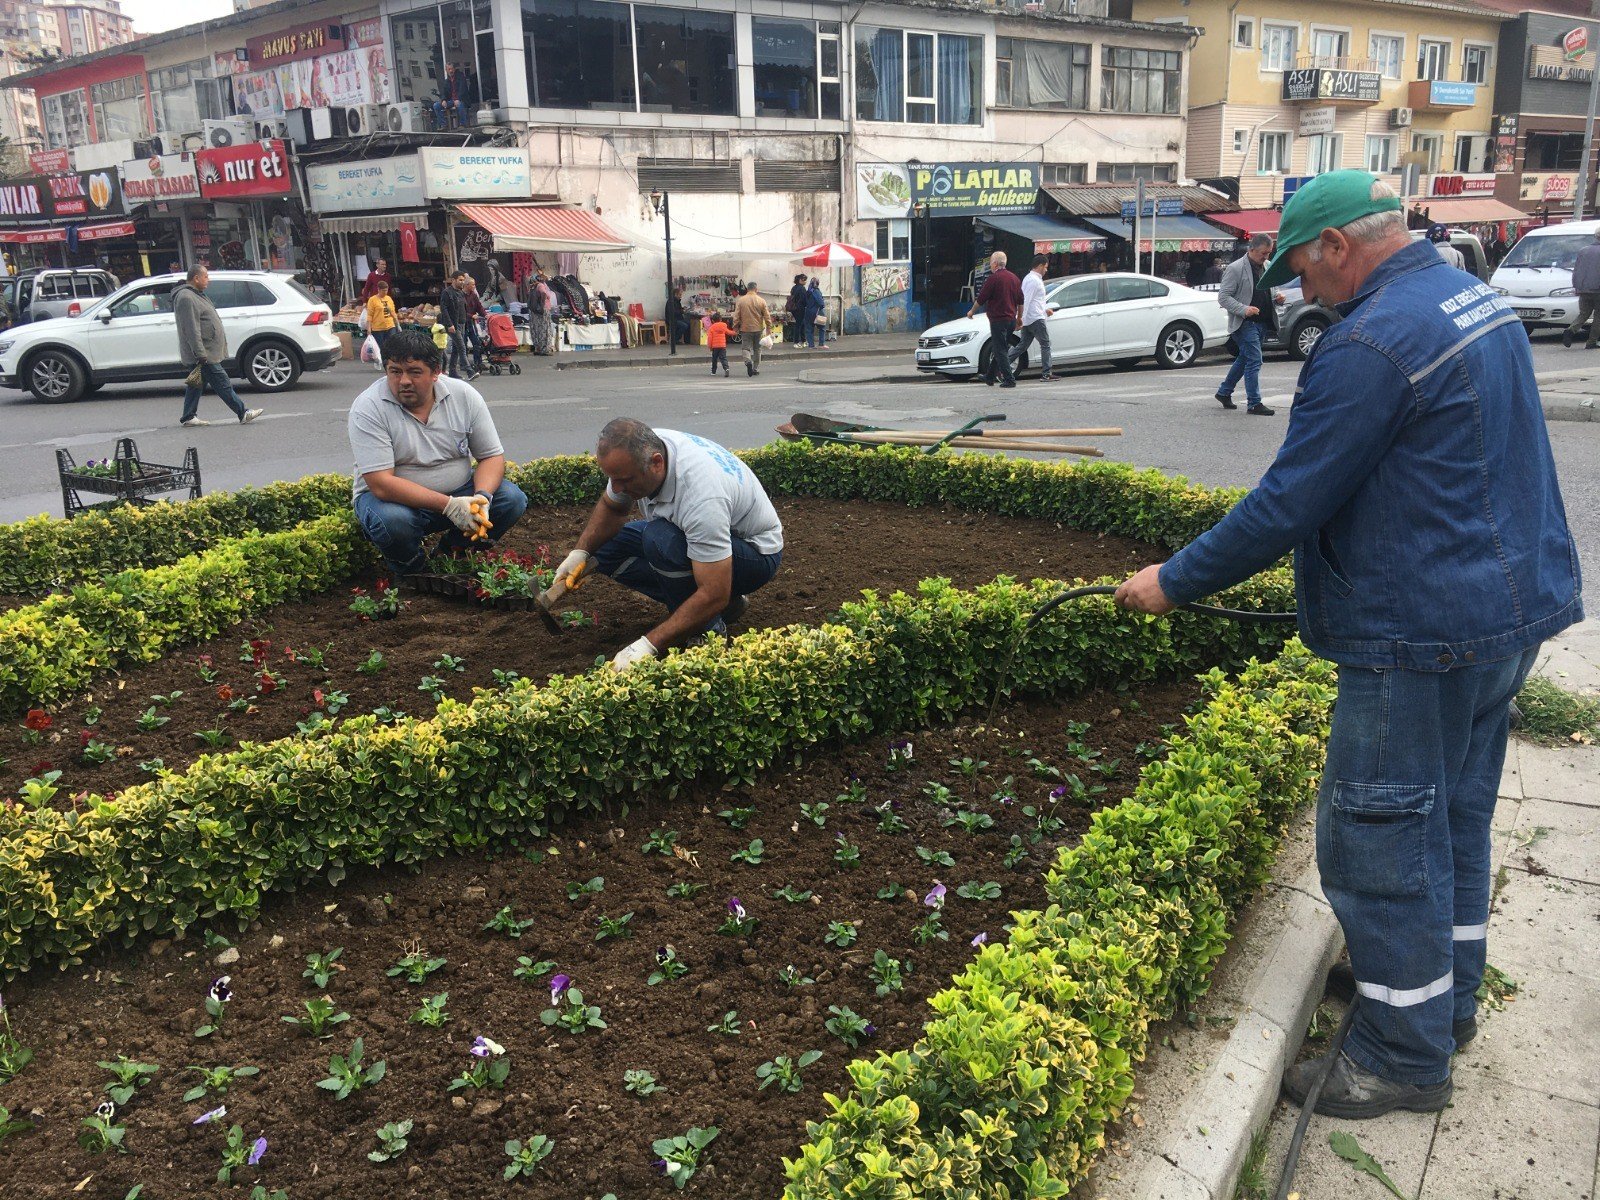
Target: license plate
(1530,314)
(924,356)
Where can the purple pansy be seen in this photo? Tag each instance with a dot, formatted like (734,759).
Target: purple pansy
(1058,793)
(664,955)
(220,991)
(935,896)
(216,1114)
(487,1048)
(558,987)
(257,1152)
(735,909)
(980,939)
(105,1110)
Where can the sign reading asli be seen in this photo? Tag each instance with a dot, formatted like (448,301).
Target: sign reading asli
(253,169)
(970,188)
(162,177)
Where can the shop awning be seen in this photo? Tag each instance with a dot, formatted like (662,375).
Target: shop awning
(1186,233)
(1049,235)
(372,222)
(539,227)
(1087,199)
(1470,210)
(54,233)
(1250,222)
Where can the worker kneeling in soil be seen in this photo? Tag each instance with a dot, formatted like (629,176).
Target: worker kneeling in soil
(709,535)
(415,434)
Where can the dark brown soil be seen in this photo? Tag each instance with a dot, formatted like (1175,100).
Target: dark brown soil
(146,1005)
(834,550)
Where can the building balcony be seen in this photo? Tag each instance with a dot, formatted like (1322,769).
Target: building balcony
(1331,86)
(1441,95)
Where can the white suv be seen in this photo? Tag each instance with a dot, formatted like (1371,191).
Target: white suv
(276,329)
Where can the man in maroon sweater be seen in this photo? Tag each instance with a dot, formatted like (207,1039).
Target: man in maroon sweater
(1000,298)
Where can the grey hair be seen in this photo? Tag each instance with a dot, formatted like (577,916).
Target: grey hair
(1374,227)
(635,437)
(1260,240)
(997,259)
(196,271)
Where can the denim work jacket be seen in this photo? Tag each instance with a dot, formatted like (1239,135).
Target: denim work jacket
(1415,485)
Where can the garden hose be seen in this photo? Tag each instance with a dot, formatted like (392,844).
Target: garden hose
(1292,1159)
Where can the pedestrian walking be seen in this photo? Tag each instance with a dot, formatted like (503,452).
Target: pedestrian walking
(1001,300)
(1249,306)
(816,316)
(751,318)
(475,311)
(717,339)
(1032,322)
(794,308)
(541,315)
(381,318)
(1586,282)
(677,318)
(378,275)
(203,348)
(1432,557)
(1439,235)
(453,316)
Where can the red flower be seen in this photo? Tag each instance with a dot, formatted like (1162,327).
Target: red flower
(316,694)
(358,591)
(37,720)
(267,684)
(380,586)
(204,660)
(85,736)
(42,767)
(288,652)
(225,693)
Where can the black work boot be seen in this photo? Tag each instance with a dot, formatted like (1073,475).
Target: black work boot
(1352,1094)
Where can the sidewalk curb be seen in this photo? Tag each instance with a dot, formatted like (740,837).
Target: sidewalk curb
(1234,1099)
(881,377)
(1582,410)
(694,356)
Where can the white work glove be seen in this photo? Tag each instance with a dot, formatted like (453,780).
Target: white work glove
(632,653)
(459,510)
(573,567)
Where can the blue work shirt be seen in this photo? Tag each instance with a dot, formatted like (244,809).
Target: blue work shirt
(1415,485)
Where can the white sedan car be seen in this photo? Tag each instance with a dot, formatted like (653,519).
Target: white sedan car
(1092,318)
(276,329)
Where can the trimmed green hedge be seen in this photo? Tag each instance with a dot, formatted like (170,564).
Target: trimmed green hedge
(216,839)
(1030,1053)
(45,554)
(58,646)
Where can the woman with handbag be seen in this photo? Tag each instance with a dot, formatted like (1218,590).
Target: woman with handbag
(816,321)
(794,310)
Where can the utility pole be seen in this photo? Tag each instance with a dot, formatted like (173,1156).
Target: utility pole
(1580,202)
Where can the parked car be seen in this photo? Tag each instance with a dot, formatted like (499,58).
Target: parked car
(276,329)
(54,292)
(1535,276)
(1120,317)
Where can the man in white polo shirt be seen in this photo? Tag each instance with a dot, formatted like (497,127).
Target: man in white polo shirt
(708,538)
(415,435)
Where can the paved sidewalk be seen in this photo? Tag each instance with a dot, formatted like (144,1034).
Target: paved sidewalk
(1571,395)
(858,345)
(1525,1120)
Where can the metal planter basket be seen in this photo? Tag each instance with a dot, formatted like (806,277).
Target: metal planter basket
(131,481)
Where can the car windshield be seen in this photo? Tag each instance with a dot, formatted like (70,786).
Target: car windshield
(1554,250)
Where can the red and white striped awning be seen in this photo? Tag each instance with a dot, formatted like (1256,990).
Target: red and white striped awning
(834,254)
(54,233)
(529,227)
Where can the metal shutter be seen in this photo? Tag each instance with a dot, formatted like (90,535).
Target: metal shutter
(687,175)
(776,176)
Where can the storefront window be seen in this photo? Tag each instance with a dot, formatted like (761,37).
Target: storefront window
(785,56)
(415,42)
(488,71)
(65,121)
(1140,81)
(1030,74)
(686,61)
(119,109)
(580,54)
(922,77)
(184,97)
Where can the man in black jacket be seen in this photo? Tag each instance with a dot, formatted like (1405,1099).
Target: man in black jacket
(453,316)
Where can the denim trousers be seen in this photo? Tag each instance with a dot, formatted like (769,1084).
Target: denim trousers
(1408,791)
(455,360)
(1035,331)
(816,335)
(1247,365)
(397,530)
(652,558)
(1000,351)
(214,377)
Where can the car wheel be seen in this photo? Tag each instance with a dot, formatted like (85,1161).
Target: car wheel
(1125,364)
(1178,346)
(272,366)
(1303,340)
(55,377)
(987,352)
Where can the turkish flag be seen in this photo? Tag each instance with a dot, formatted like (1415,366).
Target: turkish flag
(408,242)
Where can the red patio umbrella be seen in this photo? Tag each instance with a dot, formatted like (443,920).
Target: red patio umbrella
(834,254)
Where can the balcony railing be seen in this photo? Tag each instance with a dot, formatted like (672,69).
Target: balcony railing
(1338,62)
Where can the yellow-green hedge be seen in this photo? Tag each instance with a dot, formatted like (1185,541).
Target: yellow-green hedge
(1030,1052)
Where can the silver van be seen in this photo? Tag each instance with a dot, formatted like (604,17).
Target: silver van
(54,292)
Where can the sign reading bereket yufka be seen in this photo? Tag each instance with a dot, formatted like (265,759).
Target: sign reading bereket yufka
(961,188)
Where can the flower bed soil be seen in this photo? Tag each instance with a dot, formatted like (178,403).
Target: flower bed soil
(567,1087)
(834,550)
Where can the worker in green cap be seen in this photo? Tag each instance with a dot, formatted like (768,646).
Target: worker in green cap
(1416,487)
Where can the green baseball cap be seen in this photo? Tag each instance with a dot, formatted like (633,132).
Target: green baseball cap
(1330,200)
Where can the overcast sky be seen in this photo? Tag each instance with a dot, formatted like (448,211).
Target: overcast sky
(152,16)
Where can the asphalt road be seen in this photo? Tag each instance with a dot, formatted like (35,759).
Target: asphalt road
(1169,418)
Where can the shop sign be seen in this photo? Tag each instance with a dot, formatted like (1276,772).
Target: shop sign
(477,173)
(364,33)
(365,186)
(1191,245)
(87,233)
(1575,42)
(161,177)
(1318,83)
(50,162)
(1505,144)
(1167,206)
(1459,185)
(22,200)
(1444,93)
(882,191)
(301,41)
(1314,121)
(1070,246)
(253,169)
(80,194)
(1553,64)
(1544,186)
(962,189)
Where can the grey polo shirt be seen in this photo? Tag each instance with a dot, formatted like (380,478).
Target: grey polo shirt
(438,455)
(713,497)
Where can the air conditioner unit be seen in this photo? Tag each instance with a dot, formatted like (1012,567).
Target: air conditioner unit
(308,126)
(266,130)
(364,120)
(234,132)
(1399,118)
(188,143)
(406,117)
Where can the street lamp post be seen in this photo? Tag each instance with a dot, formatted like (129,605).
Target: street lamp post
(662,202)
